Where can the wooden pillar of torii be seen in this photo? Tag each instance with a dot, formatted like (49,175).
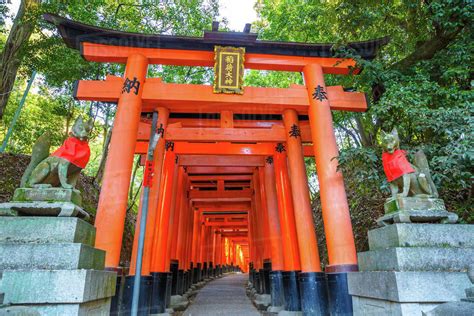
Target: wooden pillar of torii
(136,94)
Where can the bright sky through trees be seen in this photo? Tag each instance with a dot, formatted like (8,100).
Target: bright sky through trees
(238,13)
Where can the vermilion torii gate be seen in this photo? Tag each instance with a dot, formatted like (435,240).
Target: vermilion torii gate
(222,194)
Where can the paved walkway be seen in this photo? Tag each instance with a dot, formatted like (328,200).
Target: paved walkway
(224,296)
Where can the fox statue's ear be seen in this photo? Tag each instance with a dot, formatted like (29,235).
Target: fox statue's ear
(395,132)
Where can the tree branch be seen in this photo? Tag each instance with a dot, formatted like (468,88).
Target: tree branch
(427,49)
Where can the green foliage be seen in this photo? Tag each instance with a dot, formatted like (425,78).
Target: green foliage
(276,79)
(421,83)
(39,115)
(52,107)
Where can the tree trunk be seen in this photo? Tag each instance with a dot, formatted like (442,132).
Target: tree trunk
(365,139)
(10,58)
(69,116)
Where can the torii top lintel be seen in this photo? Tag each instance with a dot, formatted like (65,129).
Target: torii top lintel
(106,45)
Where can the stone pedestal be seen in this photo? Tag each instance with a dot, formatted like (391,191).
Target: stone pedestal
(45,202)
(49,265)
(416,209)
(412,268)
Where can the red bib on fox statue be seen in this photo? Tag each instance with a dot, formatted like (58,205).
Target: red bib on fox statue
(396,165)
(75,151)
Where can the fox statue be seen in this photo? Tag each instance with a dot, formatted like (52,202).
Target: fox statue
(63,167)
(409,179)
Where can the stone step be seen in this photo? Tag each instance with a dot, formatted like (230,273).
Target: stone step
(96,308)
(416,287)
(67,256)
(42,229)
(416,259)
(422,235)
(57,286)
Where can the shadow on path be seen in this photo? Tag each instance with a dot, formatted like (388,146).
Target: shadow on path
(224,296)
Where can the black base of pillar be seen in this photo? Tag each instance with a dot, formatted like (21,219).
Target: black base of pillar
(291,291)
(168,289)
(256,281)
(174,266)
(190,275)
(276,288)
(158,301)
(313,293)
(189,280)
(116,299)
(204,271)
(186,277)
(180,284)
(144,299)
(263,286)
(195,275)
(267,267)
(340,302)
(199,272)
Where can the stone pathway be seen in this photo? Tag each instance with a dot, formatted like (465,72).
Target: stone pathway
(224,296)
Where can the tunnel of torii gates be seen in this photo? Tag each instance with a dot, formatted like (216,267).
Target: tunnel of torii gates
(230,188)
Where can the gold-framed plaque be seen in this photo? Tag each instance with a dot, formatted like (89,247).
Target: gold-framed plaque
(229,69)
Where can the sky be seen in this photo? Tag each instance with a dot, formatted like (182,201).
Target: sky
(237,12)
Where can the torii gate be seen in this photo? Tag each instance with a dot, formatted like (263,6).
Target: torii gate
(274,148)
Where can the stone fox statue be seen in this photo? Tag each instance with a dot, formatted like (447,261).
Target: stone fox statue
(64,165)
(410,180)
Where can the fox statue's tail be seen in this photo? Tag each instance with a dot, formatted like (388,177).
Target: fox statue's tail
(39,152)
(422,163)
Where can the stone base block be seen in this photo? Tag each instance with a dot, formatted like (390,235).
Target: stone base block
(416,259)
(409,287)
(363,306)
(425,235)
(178,303)
(262,301)
(50,257)
(56,286)
(42,229)
(413,203)
(289,313)
(452,308)
(62,209)
(47,195)
(470,294)
(443,217)
(96,308)
(275,309)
